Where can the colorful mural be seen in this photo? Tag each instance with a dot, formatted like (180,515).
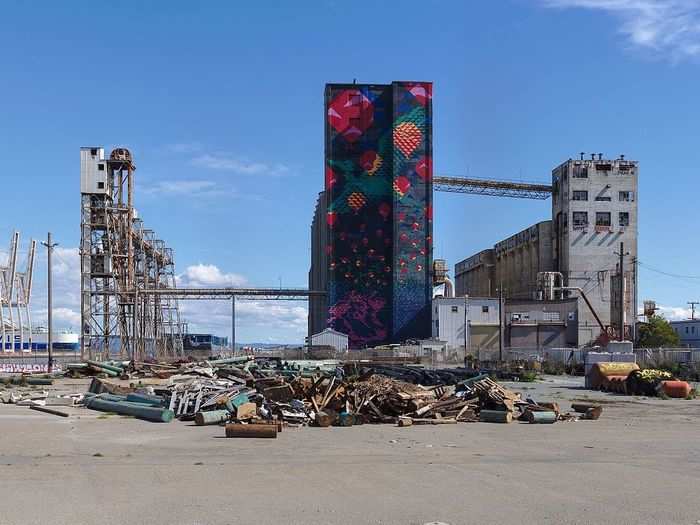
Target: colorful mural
(412,175)
(378,180)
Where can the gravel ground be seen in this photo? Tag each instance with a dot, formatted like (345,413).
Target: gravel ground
(638,464)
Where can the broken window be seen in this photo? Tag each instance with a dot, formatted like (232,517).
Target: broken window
(455,309)
(100,167)
(485,309)
(579,195)
(624,218)
(603,198)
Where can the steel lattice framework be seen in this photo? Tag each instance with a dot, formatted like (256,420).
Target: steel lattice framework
(118,257)
(494,188)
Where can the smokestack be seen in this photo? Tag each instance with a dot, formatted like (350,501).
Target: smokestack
(600,156)
(622,157)
(582,154)
(592,156)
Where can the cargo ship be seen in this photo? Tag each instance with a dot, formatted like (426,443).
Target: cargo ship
(63,341)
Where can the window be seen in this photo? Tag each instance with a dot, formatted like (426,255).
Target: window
(624,218)
(580,172)
(580,219)
(579,195)
(602,218)
(485,309)
(455,309)
(93,152)
(100,167)
(100,185)
(626,196)
(686,329)
(603,198)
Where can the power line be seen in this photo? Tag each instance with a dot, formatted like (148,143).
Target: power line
(669,274)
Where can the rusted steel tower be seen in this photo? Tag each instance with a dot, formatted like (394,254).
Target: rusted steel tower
(120,258)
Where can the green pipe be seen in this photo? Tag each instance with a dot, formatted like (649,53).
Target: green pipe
(159,415)
(230,360)
(212,417)
(101,370)
(145,399)
(25,380)
(104,366)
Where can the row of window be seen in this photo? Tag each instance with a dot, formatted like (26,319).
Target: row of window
(581,172)
(622,196)
(602,218)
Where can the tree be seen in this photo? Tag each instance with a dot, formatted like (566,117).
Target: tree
(657,333)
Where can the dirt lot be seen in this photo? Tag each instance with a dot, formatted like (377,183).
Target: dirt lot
(640,463)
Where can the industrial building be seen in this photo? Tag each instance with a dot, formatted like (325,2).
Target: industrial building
(471,322)
(476,275)
(688,331)
(377,236)
(594,215)
(521,257)
(328,338)
(541,324)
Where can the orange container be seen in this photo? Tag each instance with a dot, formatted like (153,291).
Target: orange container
(678,389)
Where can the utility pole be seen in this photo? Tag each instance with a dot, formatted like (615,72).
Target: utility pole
(692,309)
(500,324)
(49,248)
(621,273)
(233,325)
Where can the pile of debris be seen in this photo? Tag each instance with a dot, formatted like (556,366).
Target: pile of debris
(272,394)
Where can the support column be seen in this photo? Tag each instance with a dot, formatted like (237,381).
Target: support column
(233,323)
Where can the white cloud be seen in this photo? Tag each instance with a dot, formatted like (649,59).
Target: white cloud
(667,27)
(189,188)
(256,321)
(208,276)
(227,162)
(676,313)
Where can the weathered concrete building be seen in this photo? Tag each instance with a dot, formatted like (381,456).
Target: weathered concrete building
(318,272)
(594,210)
(521,257)
(476,275)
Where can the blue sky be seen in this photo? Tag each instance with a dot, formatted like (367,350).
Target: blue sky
(221,104)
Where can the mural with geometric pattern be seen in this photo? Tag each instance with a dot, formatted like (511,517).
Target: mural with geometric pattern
(378,183)
(412,209)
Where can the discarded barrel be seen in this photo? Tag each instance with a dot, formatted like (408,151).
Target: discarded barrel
(145,399)
(158,415)
(495,416)
(598,373)
(212,417)
(541,417)
(675,389)
(345,419)
(405,421)
(239,430)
